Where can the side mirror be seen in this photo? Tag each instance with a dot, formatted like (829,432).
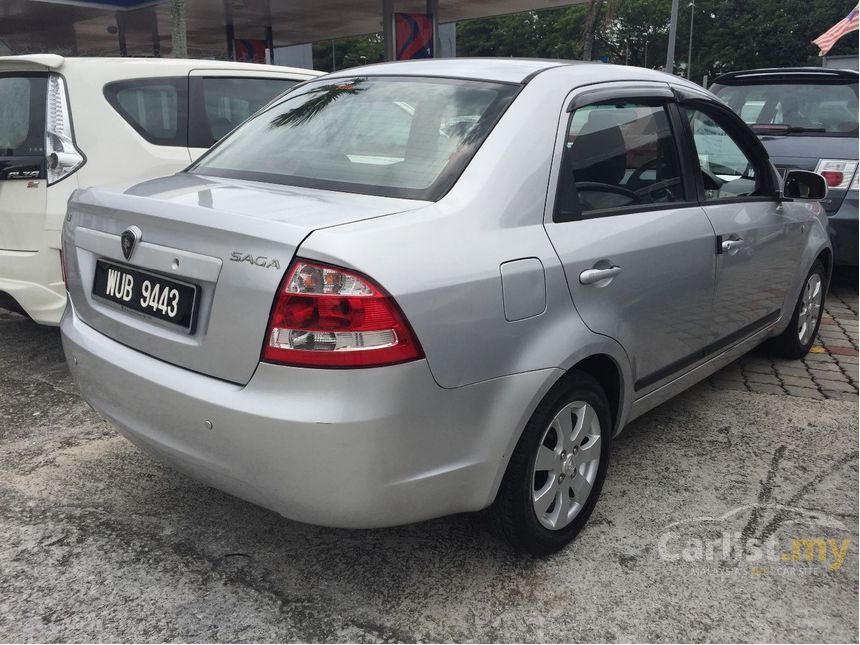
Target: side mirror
(803,184)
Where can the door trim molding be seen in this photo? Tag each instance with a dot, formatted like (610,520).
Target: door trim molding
(713,348)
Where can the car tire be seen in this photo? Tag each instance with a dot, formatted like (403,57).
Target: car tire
(545,463)
(798,337)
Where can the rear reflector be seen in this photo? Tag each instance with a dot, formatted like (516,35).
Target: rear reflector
(325,316)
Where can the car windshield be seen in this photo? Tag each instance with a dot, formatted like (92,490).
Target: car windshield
(799,108)
(397,137)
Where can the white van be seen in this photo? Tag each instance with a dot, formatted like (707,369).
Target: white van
(68,123)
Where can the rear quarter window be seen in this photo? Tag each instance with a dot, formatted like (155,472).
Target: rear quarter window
(219,104)
(157,108)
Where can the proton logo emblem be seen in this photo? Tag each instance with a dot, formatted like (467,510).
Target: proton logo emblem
(130,237)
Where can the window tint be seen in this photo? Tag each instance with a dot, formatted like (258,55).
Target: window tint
(227,102)
(727,172)
(618,156)
(399,137)
(806,108)
(22,115)
(156,108)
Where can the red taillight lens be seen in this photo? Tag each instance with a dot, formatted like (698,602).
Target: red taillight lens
(325,316)
(832,177)
(838,173)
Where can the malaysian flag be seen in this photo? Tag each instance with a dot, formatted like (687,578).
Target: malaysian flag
(826,40)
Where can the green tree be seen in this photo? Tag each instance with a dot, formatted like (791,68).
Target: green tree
(737,34)
(728,34)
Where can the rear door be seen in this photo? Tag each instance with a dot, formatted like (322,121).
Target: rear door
(637,249)
(758,240)
(219,100)
(23,189)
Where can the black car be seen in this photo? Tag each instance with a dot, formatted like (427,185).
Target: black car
(807,118)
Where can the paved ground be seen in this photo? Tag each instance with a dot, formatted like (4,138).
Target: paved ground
(730,514)
(829,371)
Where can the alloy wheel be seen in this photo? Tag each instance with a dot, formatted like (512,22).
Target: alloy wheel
(810,308)
(566,465)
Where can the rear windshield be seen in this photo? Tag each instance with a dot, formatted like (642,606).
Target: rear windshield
(22,115)
(806,108)
(397,137)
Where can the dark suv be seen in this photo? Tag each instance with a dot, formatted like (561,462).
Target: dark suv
(806,117)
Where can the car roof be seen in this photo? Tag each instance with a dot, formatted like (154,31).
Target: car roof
(165,65)
(787,74)
(503,70)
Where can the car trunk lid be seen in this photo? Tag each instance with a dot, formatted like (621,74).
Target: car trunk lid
(231,240)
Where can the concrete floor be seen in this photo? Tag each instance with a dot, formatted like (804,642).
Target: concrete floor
(100,543)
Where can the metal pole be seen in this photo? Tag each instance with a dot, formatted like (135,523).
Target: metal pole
(388,30)
(120,33)
(229,29)
(433,11)
(178,35)
(270,37)
(156,39)
(646,54)
(690,51)
(673,31)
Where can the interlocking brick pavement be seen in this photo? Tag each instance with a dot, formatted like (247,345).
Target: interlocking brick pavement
(829,371)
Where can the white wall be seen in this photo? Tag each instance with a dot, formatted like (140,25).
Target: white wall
(295,56)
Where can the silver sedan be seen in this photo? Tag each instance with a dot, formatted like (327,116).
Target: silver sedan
(415,289)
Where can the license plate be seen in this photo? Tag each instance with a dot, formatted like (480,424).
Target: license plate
(153,295)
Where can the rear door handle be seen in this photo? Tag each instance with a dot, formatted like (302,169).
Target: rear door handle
(592,276)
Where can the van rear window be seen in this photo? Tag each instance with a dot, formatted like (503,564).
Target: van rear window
(22,115)
(807,108)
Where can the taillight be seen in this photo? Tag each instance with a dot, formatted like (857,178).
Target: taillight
(63,157)
(325,316)
(838,173)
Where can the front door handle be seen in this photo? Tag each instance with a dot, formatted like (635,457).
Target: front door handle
(732,246)
(593,276)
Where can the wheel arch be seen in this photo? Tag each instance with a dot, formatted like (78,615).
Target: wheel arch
(826,257)
(605,361)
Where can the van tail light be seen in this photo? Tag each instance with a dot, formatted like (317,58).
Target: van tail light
(838,173)
(63,156)
(325,316)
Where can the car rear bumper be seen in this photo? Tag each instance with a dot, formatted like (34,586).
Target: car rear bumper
(844,231)
(34,280)
(347,448)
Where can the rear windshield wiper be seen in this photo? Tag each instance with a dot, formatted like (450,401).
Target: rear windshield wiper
(782,128)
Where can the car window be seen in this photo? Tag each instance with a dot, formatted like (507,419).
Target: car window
(727,171)
(398,137)
(155,108)
(22,115)
(227,102)
(806,108)
(618,156)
